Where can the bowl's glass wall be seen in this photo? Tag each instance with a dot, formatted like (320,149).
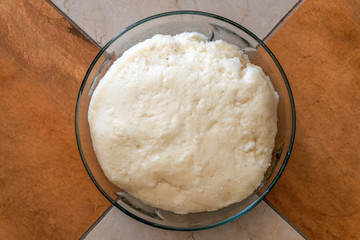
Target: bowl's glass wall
(214,28)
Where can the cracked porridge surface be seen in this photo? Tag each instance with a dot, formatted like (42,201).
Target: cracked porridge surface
(184,124)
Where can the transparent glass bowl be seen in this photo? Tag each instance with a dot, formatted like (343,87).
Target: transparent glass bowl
(214,27)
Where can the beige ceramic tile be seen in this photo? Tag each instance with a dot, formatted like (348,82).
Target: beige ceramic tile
(101,20)
(262,222)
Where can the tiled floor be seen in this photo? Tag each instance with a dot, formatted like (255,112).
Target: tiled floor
(45,191)
(102,20)
(260,223)
(319,48)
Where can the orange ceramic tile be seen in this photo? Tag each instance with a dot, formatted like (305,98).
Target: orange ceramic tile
(319,48)
(45,190)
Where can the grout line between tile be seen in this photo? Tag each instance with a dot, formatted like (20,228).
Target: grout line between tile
(96,222)
(73,24)
(285,219)
(286,16)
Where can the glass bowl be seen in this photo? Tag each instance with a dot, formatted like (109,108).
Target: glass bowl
(214,27)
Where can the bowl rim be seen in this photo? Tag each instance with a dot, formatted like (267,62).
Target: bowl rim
(262,44)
